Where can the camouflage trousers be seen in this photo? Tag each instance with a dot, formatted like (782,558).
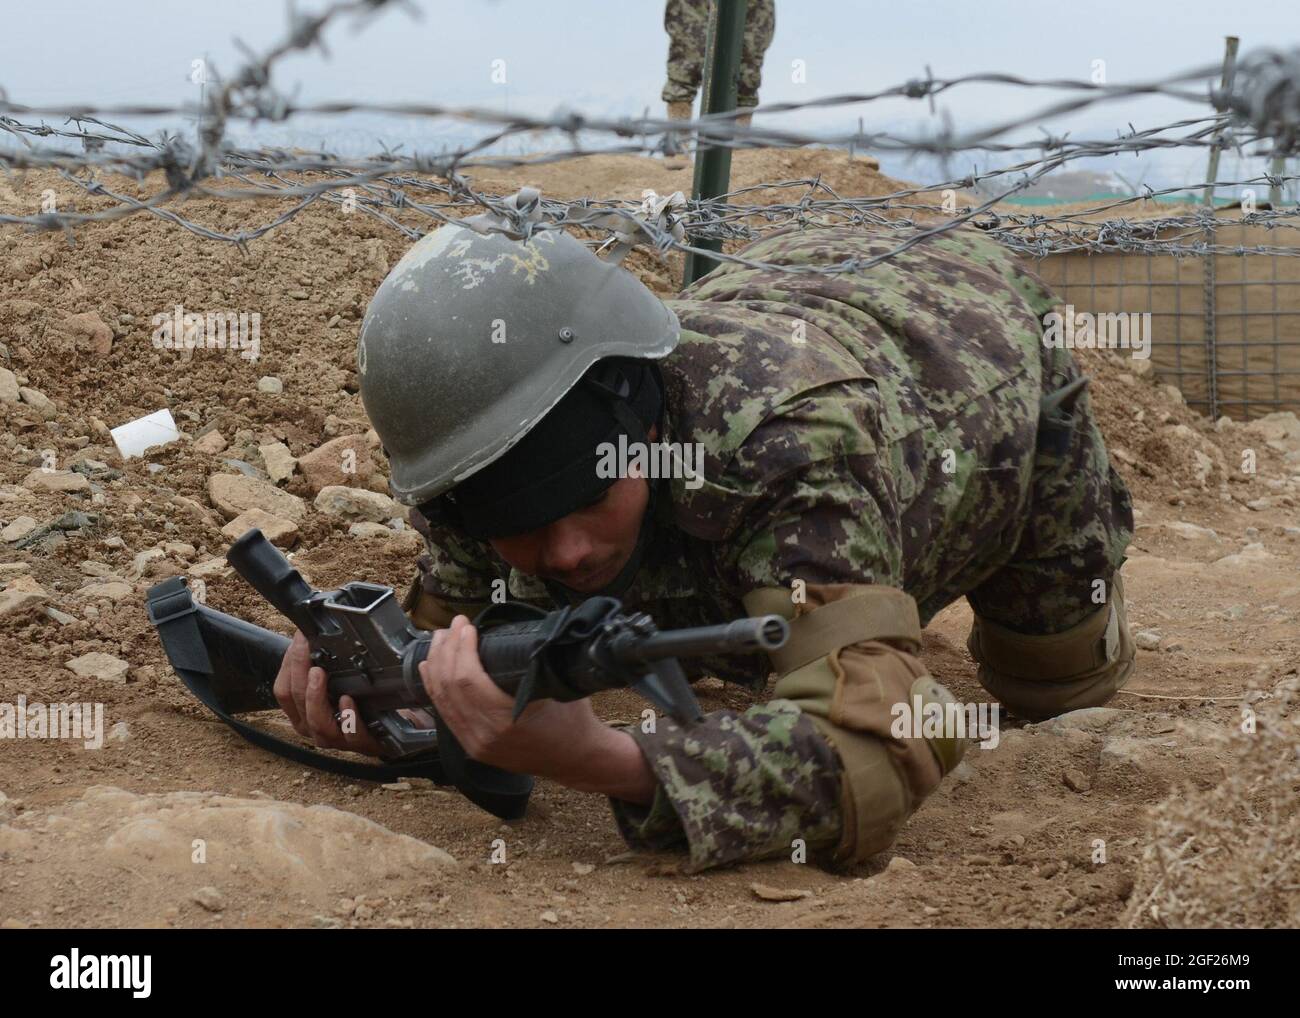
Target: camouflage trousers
(1076,529)
(687,25)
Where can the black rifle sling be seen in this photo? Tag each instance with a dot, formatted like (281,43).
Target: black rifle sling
(189,657)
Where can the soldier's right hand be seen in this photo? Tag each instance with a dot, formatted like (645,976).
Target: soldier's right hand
(301,691)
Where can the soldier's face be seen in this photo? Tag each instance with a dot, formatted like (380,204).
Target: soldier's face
(587,548)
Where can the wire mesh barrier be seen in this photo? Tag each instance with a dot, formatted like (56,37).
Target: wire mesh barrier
(1225,326)
(1220,285)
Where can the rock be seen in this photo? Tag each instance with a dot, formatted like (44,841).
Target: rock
(357,504)
(1201,468)
(1147,639)
(1172,393)
(370,530)
(346,460)
(233,494)
(25,581)
(270,385)
(1086,719)
(246,468)
(18,529)
(87,333)
(583,868)
(39,402)
(8,570)
(1251,555)
(1277,427)
(1076,781)
(279,531)
(141,563)
(210,443)
(95,468)
(16,601)
(964,773)
(209,898)
(210,567)
(69,521)
(8,386)
(900,864)
(97,665)
(549,917)
(62,618)
(193,509)
(113,590)
(766,892)
(1190,531)
(279,461)
(41,479)
(180,549)
(120,732)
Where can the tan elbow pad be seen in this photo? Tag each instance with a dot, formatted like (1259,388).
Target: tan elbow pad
(850,661)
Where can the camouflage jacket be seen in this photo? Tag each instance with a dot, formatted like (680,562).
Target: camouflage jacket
(840,446)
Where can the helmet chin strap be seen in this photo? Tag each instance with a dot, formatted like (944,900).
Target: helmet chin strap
(563,595)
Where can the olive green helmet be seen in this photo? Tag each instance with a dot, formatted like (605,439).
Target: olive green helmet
(473,337)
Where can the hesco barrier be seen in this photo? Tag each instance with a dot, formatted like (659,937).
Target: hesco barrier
(1225,327)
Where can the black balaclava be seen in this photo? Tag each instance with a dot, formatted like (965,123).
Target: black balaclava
(552,470)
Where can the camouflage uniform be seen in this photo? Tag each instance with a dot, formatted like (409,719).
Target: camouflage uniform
(687,25)
(876,428)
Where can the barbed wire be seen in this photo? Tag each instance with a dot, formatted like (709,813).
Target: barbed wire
(411,191)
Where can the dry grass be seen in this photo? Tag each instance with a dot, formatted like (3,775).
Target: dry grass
(1229,856)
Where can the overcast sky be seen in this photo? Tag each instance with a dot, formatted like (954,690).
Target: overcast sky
(607,57)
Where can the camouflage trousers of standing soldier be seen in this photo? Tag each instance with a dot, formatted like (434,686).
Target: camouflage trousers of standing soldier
(687,25)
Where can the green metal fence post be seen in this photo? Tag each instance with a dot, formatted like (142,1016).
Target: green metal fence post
(721,72)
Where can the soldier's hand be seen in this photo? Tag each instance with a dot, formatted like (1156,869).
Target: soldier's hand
(563,741)
(301,691)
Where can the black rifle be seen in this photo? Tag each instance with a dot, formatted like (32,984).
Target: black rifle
(370,651)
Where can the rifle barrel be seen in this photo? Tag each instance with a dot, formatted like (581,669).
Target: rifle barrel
(766,632)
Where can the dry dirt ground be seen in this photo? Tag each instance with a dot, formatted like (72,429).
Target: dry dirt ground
(1082,821)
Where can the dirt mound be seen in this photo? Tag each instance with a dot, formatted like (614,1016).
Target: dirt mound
(197,854)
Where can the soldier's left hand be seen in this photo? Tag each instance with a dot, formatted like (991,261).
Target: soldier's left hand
(550,739)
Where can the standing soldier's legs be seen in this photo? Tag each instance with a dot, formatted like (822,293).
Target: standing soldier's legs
(760,24)
(687,25)
(1051,633)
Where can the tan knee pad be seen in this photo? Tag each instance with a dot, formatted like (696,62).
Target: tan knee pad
(1038,677)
